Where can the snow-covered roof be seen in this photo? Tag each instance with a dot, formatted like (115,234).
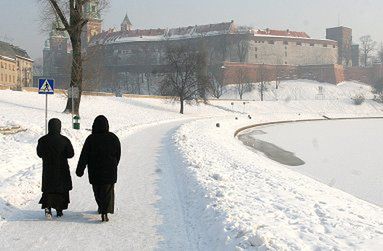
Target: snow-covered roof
(111,37)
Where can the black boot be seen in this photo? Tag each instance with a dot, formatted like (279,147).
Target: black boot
(104,217)
(59,213)
(48,213)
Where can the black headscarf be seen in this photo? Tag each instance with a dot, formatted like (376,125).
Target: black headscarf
(54,126)
(100,125)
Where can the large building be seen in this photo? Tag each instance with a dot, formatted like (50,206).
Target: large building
(128,59)
(15,66)
(134,57)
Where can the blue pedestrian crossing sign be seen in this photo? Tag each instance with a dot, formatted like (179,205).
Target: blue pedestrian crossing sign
(46,86)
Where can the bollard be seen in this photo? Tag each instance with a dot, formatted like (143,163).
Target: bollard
(76,122)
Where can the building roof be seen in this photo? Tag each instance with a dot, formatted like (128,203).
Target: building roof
(7,51)
(282,33)
(127,20)
(11,51)
(111,36)
(21,52)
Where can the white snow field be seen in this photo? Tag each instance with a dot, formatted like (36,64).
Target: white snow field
(345,154)
(185,184)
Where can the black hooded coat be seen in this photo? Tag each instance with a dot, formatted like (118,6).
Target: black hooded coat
(55,149)
(101,153)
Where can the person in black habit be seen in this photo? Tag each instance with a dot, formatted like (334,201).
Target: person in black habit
(55,150)
(101,153)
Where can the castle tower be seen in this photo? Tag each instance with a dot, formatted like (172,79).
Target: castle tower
(126,25)
(93,27)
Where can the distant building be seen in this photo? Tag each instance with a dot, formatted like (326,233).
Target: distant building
(343,36)
(135,57)
(57,56)
(15,66)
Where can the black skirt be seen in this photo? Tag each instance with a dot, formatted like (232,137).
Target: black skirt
(58,201)
(104,195)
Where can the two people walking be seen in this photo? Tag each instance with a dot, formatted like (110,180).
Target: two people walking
(100,154)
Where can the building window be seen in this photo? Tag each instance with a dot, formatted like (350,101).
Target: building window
(256,56)
(325,45)
(285,53)
(285,62)
(285,42)
(5,65)
(299,43)
(311,44)
(256,49)
(1,76)
(271,42)
(6,77)
(333,46)
(2,66)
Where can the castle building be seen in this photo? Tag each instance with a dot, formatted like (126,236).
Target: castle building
(137,56)
(15,66)
(128,59)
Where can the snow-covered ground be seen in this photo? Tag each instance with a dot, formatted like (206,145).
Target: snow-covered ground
(260,204)
(304,90)
(21,168)
(342,153)
(225,196)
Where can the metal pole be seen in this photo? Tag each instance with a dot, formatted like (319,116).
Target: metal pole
(46,113)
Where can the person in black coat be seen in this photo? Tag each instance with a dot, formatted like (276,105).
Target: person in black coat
(55,150)
(101,153)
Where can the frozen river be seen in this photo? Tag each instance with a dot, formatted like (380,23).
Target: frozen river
(346,154)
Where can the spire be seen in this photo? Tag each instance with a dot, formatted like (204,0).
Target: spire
(126,25)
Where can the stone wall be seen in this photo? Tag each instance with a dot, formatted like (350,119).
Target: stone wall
(233,72)
(368,75)
(288,51)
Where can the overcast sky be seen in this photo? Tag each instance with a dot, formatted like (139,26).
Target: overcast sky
(19,19)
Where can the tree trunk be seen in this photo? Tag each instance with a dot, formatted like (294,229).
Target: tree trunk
(76,72)
(182,105)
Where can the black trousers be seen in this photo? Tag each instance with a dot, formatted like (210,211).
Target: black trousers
(104,195)
(58,201)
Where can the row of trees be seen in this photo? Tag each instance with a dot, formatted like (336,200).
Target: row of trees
(370,51)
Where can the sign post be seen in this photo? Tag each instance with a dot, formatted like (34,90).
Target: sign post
(46,86)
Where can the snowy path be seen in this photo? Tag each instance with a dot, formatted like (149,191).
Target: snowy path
(149,209)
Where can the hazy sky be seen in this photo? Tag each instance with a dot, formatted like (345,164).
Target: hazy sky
(19,19)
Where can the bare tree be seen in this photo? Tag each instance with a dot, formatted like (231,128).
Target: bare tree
(263,84)
(72,16)
(216,82)
(367,46)
(278,76)
(243,84)
(187,79)
(242,50)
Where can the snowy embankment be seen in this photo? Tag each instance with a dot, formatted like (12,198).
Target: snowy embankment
(20,168)
(254,203)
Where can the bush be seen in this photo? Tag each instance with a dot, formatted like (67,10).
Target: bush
(358,99)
